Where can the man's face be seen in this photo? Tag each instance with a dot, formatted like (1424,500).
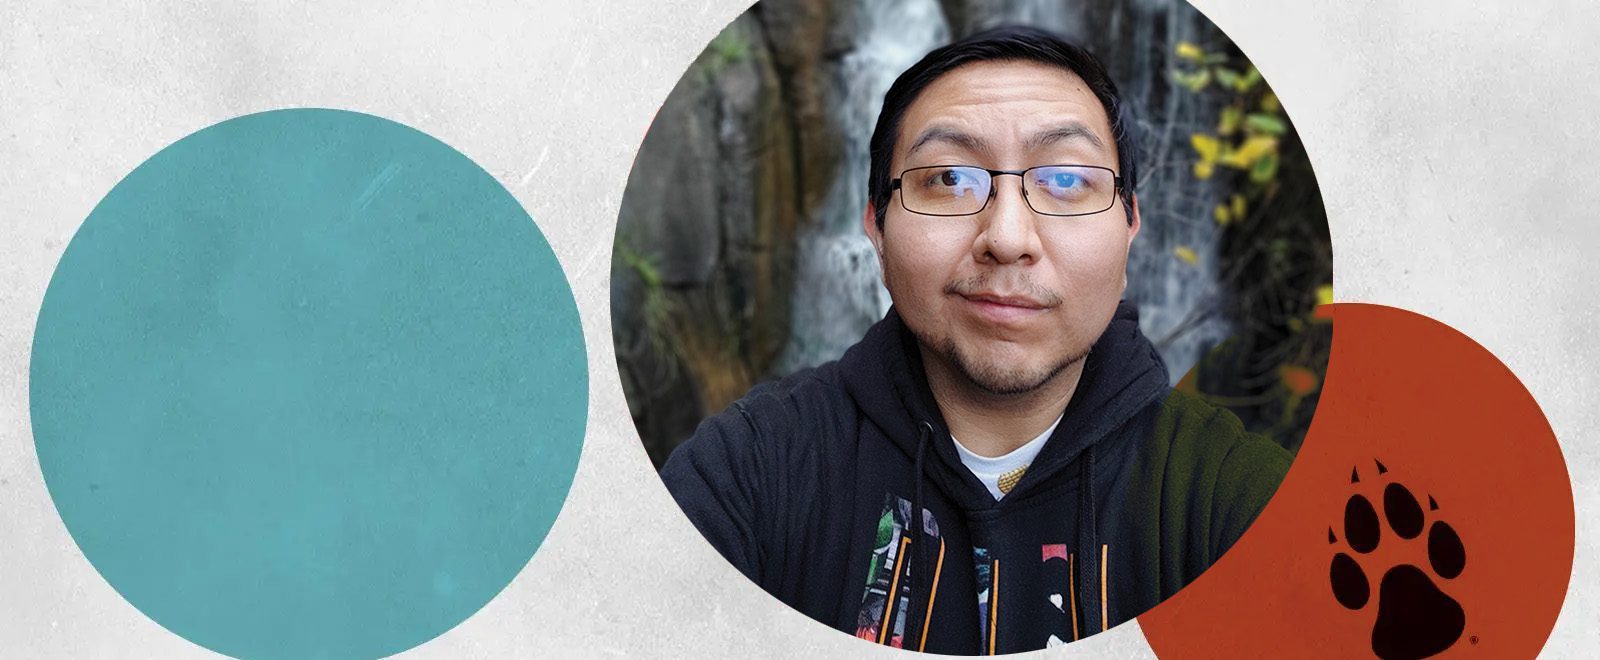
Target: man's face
(1007,298)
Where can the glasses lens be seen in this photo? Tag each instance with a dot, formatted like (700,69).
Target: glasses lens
(1070,189)
(945,190)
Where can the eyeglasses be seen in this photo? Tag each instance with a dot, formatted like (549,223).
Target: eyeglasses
(1058,190)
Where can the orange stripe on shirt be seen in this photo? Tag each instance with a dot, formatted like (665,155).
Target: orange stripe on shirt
(894,590)
(938,568)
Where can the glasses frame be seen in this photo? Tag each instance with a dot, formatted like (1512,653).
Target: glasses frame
(994,190)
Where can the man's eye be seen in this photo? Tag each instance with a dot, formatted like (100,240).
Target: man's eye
(1064,184)
(1061,181)
(954,182)
(952,179)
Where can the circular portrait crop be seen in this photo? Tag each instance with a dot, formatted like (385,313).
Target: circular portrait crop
(971,327)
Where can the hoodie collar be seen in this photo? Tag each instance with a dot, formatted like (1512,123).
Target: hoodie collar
(884,375)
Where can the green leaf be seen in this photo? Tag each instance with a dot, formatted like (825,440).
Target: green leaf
(640,264)
(1227,77)
(1269,103)
(1197,81)
(1265,169)
(1265,123)
(1228,123)
(1251,77)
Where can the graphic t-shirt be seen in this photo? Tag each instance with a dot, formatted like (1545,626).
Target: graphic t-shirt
(1001,473)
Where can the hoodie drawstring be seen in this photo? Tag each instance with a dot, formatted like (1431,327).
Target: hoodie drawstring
(918,540)
(1088,563)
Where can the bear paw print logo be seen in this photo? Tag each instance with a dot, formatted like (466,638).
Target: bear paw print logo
(1415,617)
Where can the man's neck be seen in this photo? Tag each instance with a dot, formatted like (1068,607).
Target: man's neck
(990,424)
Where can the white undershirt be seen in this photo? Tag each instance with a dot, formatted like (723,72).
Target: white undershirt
(989,470)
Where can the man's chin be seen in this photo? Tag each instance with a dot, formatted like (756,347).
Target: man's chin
(1002,376)
(1009,382)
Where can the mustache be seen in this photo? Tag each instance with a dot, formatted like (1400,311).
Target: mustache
(1017,286)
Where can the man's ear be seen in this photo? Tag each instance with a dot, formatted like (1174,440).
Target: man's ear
(1134,224)
(869,224)
(1133,230)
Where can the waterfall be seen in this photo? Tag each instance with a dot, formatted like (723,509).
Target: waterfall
(838,294)
(1051,15)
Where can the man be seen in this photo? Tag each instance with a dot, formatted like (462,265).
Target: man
(1000,464)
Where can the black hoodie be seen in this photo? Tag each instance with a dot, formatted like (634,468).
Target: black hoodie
(812,486)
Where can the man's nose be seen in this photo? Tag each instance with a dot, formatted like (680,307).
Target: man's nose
(1009,226)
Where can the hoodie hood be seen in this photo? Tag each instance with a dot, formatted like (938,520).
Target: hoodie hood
(884,375)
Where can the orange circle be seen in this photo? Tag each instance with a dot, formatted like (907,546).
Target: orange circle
(1408,400)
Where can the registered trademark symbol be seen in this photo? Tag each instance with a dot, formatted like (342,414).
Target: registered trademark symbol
(1473,639)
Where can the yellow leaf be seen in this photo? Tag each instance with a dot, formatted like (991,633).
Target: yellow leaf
(1325,294)
(1254,148)
(1233,158)
(1187,254)
(1206,146)
(1202,170)
(1269,102)
(1221,214)
(1189,51)
(1238,206)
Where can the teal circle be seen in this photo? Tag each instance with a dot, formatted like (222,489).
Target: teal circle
(308,383)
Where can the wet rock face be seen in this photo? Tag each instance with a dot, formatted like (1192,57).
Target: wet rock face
(706,239)
(761,180)
(806,40)
(668,217)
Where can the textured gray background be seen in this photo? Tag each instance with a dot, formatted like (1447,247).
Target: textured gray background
(1454,146)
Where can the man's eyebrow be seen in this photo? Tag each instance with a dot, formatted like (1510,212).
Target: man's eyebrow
(946,134)
(1067,131)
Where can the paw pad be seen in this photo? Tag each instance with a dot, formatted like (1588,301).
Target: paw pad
(1415,618)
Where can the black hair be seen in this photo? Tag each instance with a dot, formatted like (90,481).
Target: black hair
(1008,43)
